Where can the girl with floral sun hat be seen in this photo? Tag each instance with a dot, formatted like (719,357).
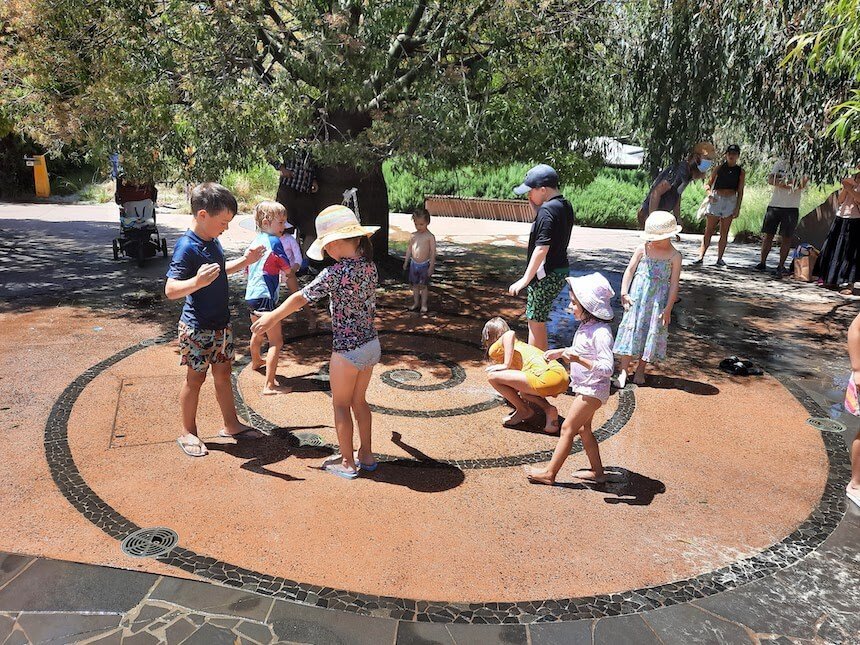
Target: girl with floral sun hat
(649,290)
(351,286)
(591,364)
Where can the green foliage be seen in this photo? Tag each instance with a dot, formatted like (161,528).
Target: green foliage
(834,49)
(409,181)
(611,200)
(701,66)
(190,90)
(254,184)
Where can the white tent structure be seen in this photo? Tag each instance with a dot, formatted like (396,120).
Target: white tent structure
(616,154)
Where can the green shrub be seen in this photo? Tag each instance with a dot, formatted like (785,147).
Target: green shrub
(253,184)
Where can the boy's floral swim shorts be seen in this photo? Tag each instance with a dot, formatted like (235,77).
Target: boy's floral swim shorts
(198,348)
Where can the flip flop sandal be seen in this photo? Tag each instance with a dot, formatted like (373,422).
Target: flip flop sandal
(341,471)
(250,433)
(367,467)
(187,447)
(734,365)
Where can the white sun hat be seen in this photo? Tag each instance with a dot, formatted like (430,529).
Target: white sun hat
(594,293)
(660,225)
(336,223)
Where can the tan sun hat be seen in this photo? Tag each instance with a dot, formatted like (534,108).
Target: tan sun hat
(337,223)
(660,225)
(706,149)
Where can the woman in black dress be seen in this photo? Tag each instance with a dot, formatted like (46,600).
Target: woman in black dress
(838,266)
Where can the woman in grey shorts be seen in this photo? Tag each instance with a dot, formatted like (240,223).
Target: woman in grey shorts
(725,194)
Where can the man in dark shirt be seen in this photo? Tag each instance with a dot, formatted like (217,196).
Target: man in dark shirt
(547,252)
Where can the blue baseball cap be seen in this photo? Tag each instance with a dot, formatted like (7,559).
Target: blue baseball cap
(538,177)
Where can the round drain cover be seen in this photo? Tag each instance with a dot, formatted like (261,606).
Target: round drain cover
(825,425)
(149,543)
(404,376)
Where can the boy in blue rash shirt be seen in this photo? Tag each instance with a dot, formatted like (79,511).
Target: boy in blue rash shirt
(261,294)
(198,272)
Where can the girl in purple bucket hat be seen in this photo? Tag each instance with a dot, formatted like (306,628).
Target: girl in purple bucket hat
(591,364)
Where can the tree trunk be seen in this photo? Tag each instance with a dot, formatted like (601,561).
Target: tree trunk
(334,180)
(372,199)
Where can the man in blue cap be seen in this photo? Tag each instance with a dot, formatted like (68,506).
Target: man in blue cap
(547,254)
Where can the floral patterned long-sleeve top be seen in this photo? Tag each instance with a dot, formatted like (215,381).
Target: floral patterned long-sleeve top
(351,286)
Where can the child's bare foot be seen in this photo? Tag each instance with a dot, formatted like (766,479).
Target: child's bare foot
(270,390)
(639,379)
(515,418)
(412,308)
(551,426)
(539,476)
(191,445)
(255,365)
(423,310)
(590,475)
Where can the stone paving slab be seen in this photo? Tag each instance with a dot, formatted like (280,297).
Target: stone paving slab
(211,599)
(52,585)
(294,622)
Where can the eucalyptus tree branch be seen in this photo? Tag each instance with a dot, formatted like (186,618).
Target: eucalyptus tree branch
(278,53)
(288,32)
(402,45)
(456,33)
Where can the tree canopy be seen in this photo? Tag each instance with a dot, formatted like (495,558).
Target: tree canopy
(187,89)
(775,73)
(193,88)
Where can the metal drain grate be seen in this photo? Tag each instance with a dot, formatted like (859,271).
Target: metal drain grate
(149,543)
(309,440)
(826,425)
(404,376)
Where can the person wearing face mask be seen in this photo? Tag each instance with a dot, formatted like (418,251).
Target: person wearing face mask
(666,189)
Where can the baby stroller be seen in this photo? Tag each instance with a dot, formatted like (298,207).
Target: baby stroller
(138,235)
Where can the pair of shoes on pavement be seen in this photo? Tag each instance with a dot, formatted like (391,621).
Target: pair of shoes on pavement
(740,367)
(780,272)
(718,263)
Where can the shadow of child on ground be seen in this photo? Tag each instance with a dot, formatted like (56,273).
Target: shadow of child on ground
(273,449)
(624,487)
(426,475)
(660,382)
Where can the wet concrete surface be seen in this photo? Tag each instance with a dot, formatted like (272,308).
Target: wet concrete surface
(795,331)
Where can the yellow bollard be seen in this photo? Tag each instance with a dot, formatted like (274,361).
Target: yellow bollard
(40,175)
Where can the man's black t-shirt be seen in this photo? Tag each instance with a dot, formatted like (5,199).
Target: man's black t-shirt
(552,228)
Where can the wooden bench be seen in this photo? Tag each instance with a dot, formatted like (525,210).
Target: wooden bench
(508,210)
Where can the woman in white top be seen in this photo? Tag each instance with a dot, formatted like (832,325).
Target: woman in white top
(838,266)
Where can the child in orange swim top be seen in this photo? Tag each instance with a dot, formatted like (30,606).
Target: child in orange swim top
(522,375)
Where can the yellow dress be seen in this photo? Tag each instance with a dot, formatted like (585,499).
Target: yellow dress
(545,378)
